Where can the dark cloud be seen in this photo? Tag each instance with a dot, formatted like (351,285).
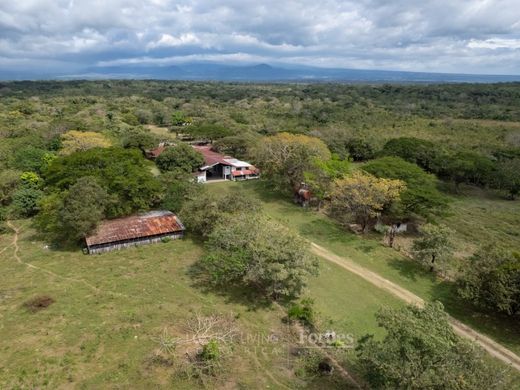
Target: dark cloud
(481,36)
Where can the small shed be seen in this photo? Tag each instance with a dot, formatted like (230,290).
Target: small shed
(135,230)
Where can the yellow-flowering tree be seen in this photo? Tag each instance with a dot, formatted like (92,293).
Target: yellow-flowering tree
(364,196)
(283,158)
(77,141)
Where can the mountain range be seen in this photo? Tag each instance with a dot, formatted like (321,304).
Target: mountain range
(208,71)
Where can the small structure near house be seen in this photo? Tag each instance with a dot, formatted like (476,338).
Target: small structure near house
(218,166)
(302,195)
(135,230)
(152,154)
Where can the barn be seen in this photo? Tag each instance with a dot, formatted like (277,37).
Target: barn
(135,230)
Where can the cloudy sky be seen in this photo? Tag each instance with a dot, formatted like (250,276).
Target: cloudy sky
(464,36)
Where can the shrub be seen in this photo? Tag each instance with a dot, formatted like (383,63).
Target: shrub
(38,303)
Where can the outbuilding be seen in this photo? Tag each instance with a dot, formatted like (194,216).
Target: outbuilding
(135,230)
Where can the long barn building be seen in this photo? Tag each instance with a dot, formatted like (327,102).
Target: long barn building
(135,230)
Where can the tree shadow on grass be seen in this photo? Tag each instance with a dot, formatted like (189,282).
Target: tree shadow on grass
(500,327)
(231,293)
(410,269)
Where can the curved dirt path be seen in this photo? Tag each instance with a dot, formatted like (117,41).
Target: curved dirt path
(492,347)
(32,266)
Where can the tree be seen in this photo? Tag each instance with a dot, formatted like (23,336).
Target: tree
(25,201)
(238,146)
(283,158)
(364,196)
(9,181)
(253,251)
(70,216)
(360,149)
(123,173)
(414,150)
(141,140)
(30,158)
(421,351)
(208,131)
(492,280)
(201,214)
(180,157)
(322,174)
(180,119)
(467,167)
(79,141)
(178,189)
(421,196)
(434,247)
(507,177)
(84,207)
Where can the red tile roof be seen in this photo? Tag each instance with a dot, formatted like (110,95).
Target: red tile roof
(136,226)
(154,153)
(211,157)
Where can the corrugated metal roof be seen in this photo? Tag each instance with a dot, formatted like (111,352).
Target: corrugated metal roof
(136,226)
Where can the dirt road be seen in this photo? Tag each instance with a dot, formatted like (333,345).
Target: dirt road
(492,347)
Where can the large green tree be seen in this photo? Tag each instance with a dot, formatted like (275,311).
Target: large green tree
(202,213)
(71,215)
(421,351)
(253,251)
(491,280)
(421,196)
(123,173)
(180,157)
(414,150)
(284,158)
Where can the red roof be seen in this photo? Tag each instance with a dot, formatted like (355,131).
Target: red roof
(137,226)
(211,157)
(244,172)
(154,153)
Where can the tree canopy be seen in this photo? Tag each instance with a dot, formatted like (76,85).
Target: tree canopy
(364,197)
(421,196)
(180,157)
(78,141)
(123,173)
(421,351)
(283,158)
(253,251)
(492,280)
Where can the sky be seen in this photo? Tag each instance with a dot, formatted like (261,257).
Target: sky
(457,36)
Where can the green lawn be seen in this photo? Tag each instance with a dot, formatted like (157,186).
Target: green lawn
(368,252)
(109,310)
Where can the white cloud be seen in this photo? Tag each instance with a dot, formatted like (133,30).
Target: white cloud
(167,40)
(495,43)
(480,36)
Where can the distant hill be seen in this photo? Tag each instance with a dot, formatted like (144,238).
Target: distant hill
(260,73)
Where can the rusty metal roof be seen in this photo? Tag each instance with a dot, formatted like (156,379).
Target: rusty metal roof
(136,226)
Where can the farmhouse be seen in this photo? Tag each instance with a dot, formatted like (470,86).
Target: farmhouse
(135,230)
(218,166)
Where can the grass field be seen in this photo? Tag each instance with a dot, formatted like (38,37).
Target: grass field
(110,310)
(392,265)
(102,331)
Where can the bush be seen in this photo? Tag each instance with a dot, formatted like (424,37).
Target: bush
(303,312)
(210,351)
